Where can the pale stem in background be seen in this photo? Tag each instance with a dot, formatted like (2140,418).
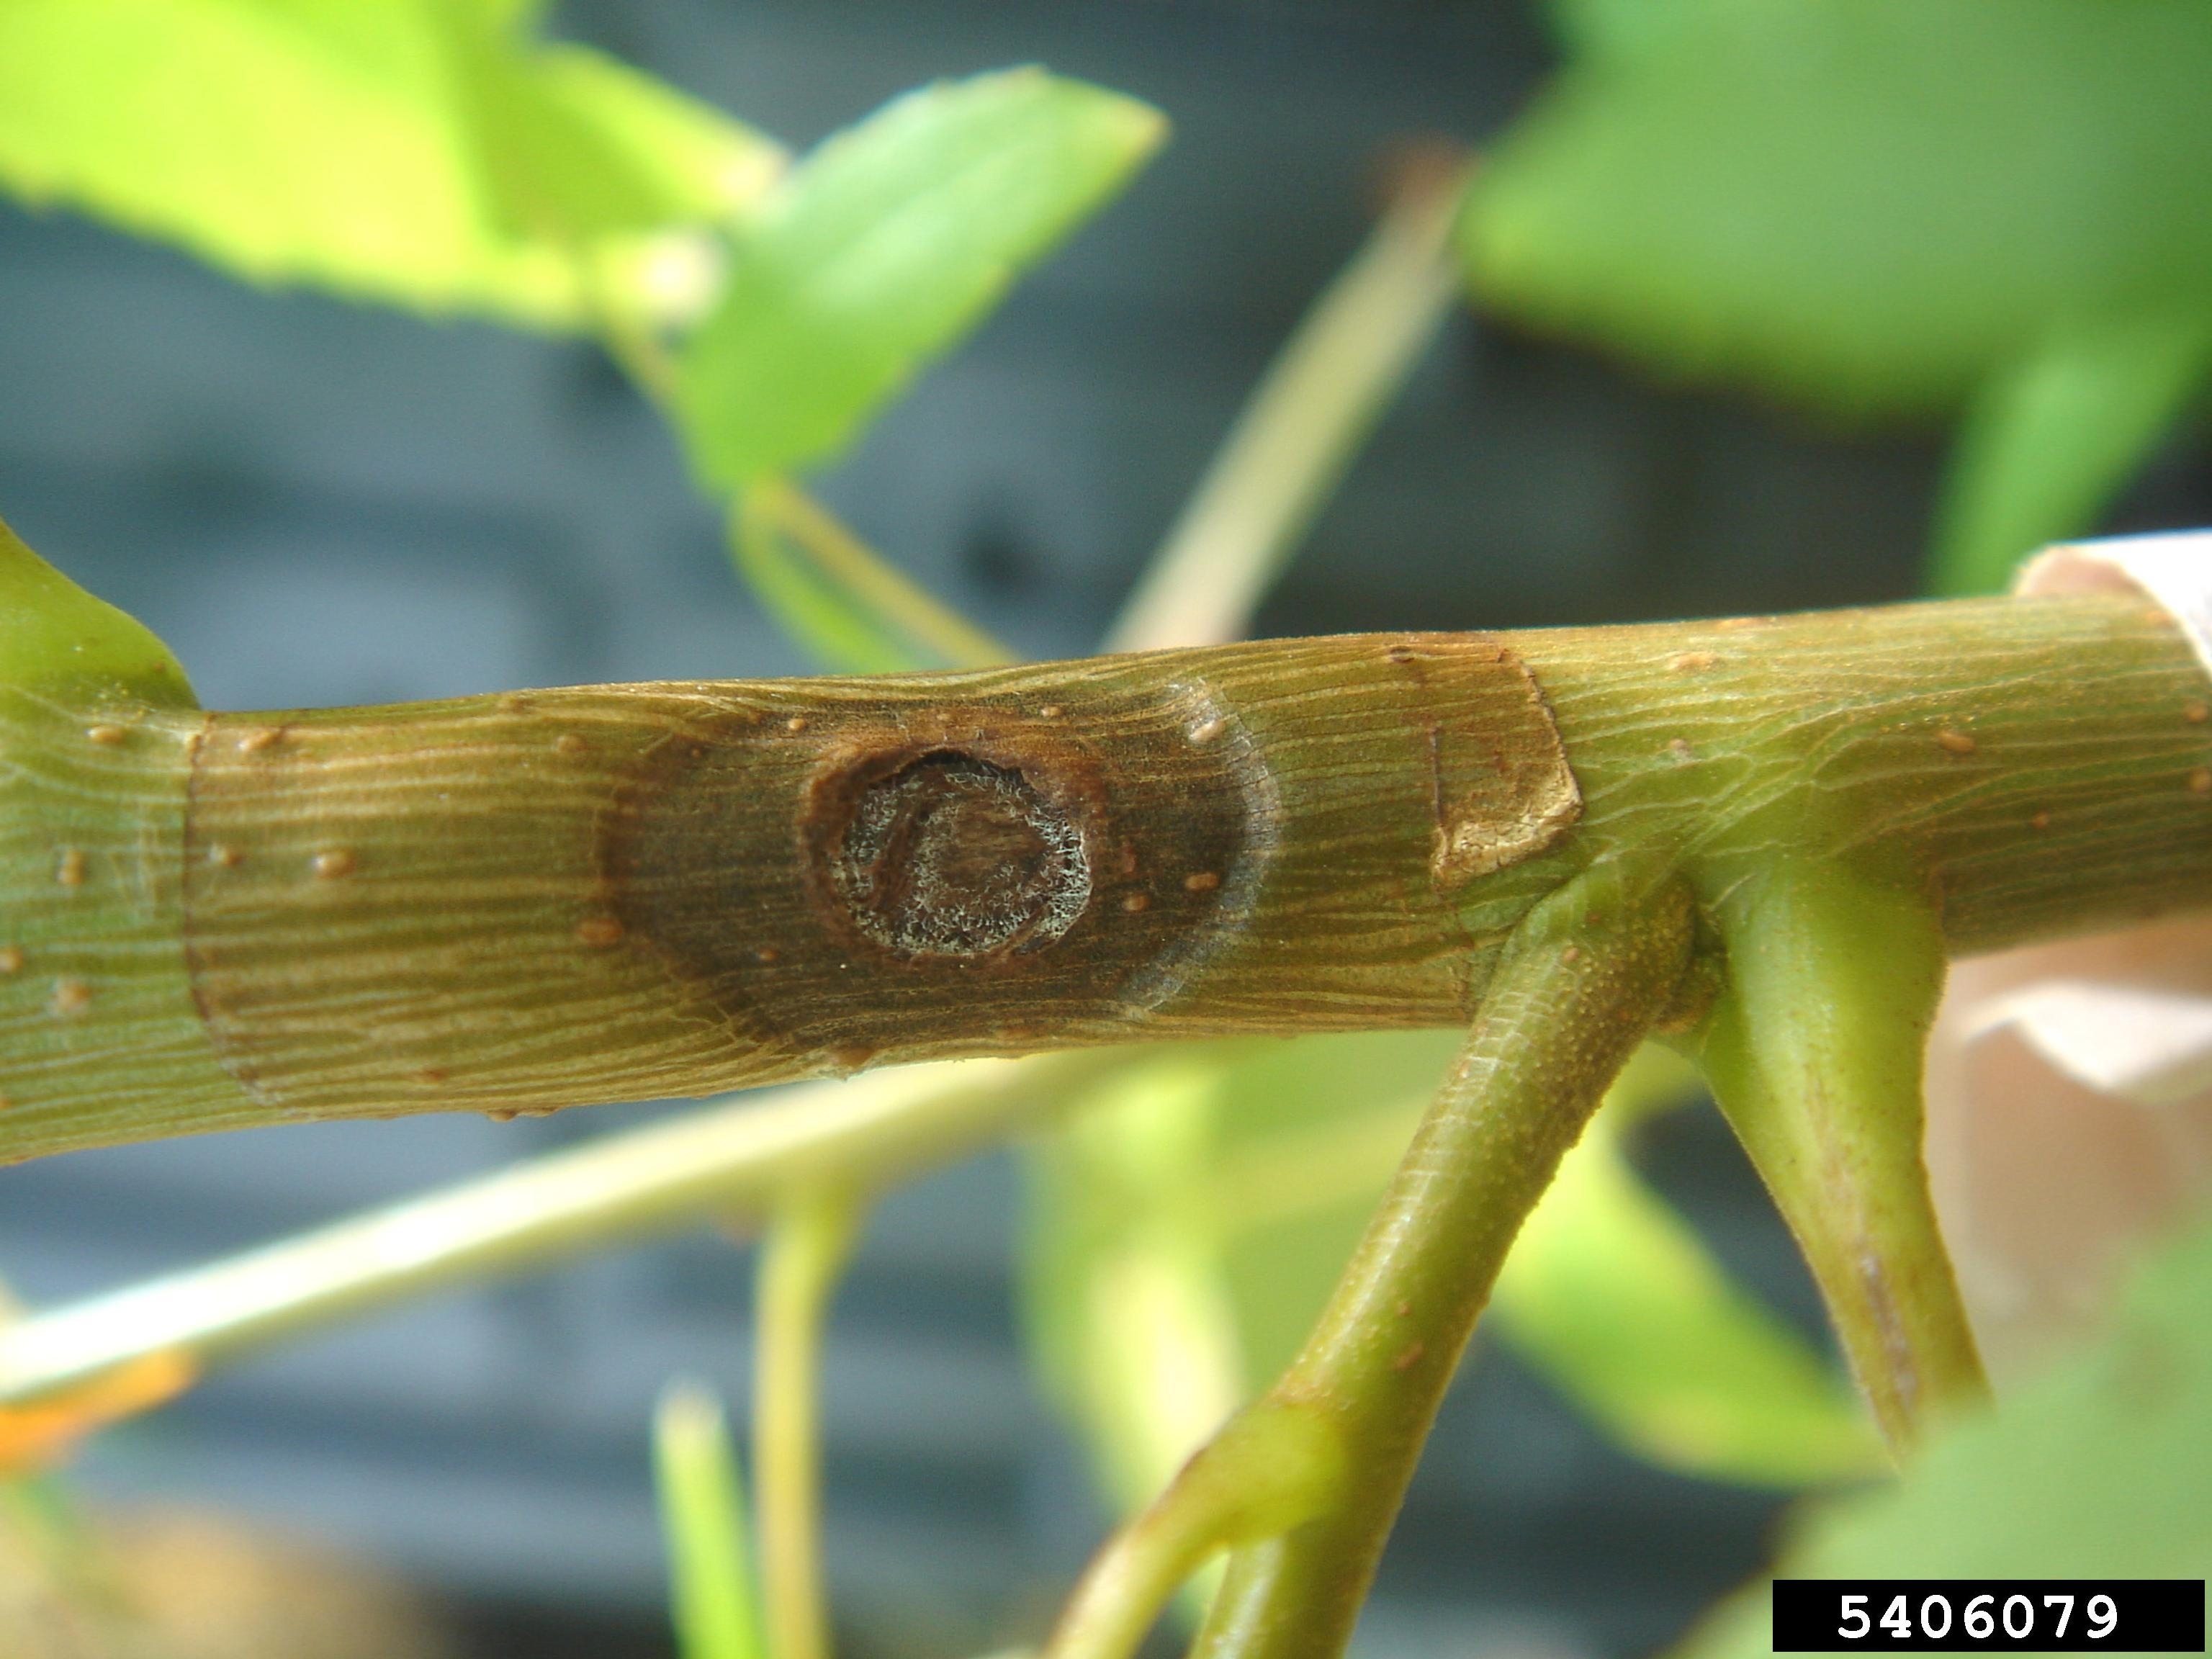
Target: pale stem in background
(805,1251)
(1302,426)
(735,1158)
(624,334)
(776,506)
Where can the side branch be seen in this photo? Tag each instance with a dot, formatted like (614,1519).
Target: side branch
(1815,1051)
(1580,982)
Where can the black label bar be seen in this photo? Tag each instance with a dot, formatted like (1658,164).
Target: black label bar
(1989,1615)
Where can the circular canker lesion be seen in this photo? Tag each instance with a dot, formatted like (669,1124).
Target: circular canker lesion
(951,855)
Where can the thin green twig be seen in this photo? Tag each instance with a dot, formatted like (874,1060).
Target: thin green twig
(1581,979)
(836,595)
(1816,1053)
(808,1244)
(1302,426)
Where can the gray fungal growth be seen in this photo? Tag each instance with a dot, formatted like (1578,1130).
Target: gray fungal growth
(953,856)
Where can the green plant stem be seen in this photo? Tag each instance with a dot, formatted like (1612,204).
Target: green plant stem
(625,335)
(554,897)
(808,1243)
(1580,982)
(1302,426)
(838,597)
(1273,1467)
(728,1160)
(1816,1053)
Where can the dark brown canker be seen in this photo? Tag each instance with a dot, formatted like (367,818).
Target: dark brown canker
(957,858)
(950,855)
(729,885)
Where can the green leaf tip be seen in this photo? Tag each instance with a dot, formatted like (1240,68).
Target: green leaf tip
(2050,440)
(60,642)
(703,1509)
(881,250)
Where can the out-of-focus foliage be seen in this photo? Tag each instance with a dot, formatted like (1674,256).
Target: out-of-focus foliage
(2050,438)
(1885,208)
(711,1593)
(416,152)
(430,154)
(854,613)
(2099,1468)
(1189,1224)
(1880,208)
(885,247)
(59,641)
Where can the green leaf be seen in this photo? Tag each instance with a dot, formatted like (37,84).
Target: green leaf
(831,592)
(574,146)
(330,143)
(1610,1294)
(58,641)
(703,1517)
(1867,206)
(2049,441)
(1590,27)
(2098,1468)
(505,13)
(884,247)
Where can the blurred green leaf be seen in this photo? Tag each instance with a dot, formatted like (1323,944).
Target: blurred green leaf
(1590,28)
(2049,441)
(1311,1130)
(575,146)
(883,248)
(831,592)
(1616,1299)
(2098,1468)
(59,641)
(703,1518)
(1130,1314)
(339,144)
(1868,206)
(1187,1226)
(505,13)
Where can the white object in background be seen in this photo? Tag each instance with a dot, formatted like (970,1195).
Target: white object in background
(2174,567)
(2144,1043)
(2069,1085)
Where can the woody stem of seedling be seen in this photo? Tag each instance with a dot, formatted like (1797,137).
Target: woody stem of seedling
(637,892)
